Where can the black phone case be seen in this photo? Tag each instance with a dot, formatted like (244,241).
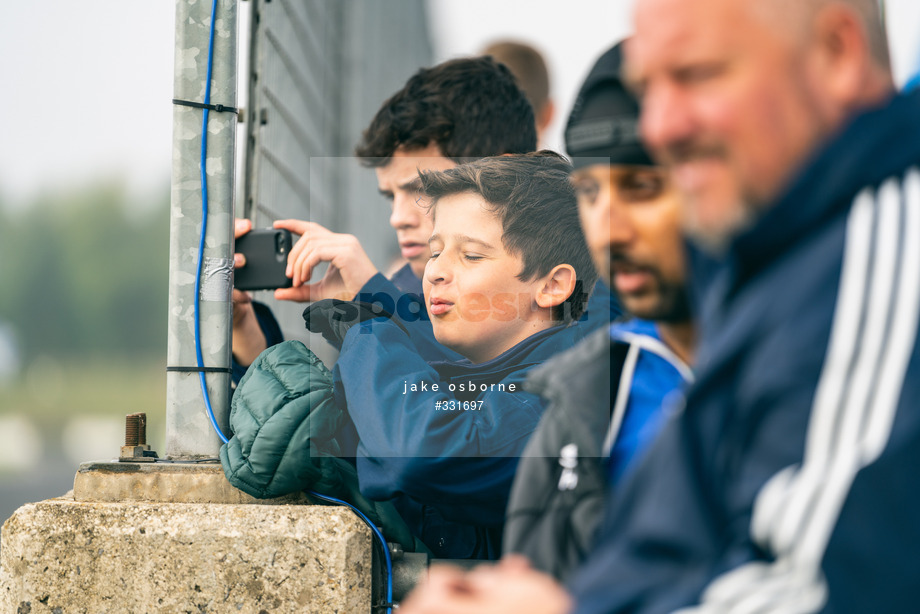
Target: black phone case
(266,251)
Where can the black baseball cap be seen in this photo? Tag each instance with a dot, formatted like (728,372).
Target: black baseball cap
(603,126)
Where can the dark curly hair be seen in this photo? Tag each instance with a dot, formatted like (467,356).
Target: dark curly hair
(470,108)
(533,197)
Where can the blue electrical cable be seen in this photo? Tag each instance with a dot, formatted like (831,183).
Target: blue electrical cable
(204,227)
(198,355)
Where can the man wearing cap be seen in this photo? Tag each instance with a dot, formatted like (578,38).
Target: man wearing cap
(611,393)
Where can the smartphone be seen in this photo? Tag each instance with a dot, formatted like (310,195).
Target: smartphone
(266,251)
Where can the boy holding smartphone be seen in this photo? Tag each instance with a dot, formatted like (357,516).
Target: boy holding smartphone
(454,112)
(509,273)
(458,110)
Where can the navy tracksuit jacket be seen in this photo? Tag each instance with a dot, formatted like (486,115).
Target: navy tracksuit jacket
(791,481)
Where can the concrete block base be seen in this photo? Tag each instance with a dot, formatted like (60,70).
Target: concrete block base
(64,556)
(164,482)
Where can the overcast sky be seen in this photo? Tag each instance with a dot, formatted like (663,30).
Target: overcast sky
(87,83)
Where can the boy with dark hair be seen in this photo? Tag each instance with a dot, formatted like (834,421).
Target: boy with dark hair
(525,192)
(458,110)
(442,439)
(464,107)
(494,291)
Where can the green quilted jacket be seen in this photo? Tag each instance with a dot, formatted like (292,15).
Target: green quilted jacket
(284,421)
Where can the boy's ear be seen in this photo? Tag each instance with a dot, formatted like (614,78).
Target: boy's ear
(556,286)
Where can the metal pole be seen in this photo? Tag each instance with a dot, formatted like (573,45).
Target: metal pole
(189,434)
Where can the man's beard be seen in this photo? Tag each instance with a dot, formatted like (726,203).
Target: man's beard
(672,303)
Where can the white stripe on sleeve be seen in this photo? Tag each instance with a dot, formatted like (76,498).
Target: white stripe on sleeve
(872,340)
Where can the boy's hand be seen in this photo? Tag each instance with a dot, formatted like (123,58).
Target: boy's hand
(349,266)
(248,340)
(510,587)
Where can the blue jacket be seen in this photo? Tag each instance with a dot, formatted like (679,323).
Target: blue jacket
(652,381)
(447,456)
(790,481)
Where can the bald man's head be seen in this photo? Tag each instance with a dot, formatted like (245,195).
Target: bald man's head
(797,15)
(737,94)
(871,15)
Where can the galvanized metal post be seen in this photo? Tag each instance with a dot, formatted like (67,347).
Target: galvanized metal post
(189,433)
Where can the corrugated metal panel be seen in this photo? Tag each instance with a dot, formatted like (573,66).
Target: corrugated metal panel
(319,70)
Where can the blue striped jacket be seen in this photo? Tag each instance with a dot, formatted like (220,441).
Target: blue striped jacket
(791,481)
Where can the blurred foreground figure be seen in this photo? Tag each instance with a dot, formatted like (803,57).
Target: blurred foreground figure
(789,483)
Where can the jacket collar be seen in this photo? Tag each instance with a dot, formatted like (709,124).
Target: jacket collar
(875,145)
(532,350)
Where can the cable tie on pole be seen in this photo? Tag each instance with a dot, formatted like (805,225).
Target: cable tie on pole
(199,369)
(211,107)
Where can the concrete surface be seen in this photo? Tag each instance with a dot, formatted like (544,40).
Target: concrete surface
(163,483)
(64,556)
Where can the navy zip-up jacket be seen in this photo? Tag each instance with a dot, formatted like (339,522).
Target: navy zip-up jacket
(791,481)
(447,456)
